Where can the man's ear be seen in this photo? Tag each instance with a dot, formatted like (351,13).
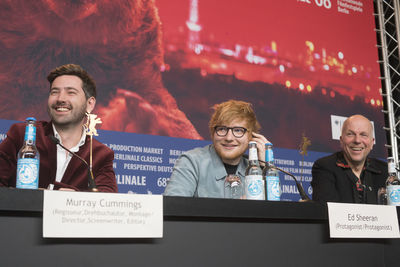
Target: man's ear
(91,103)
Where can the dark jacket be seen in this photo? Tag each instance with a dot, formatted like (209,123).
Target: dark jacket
(76,174)
(334,181)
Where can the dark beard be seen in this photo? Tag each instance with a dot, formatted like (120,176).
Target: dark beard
(76,120)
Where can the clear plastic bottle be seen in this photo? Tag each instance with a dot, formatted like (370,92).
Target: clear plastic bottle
(392,184)
(271,174)
(28,159)
(254,183)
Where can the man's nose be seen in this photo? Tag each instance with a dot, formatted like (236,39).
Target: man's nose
(230,135)
(357,139)
(62,96)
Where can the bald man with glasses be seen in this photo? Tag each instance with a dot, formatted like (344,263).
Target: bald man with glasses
(201,172)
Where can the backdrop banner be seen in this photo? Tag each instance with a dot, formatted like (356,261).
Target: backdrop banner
(160,65)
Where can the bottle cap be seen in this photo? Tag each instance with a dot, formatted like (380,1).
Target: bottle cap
(30,119)
(391,165)
(269,144)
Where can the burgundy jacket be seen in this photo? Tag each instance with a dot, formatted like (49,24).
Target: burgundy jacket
(76,174)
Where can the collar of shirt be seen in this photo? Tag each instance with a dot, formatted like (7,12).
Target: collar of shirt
(368,165)
(341,162)
(78,145)
(63,156)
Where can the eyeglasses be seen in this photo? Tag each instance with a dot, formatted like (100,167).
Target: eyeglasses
(236,131)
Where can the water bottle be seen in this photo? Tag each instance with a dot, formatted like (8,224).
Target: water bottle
(28,159)
(254,183)
(392,184)
(273,187)
(233,187)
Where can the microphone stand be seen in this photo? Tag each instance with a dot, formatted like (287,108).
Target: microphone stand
(91,182)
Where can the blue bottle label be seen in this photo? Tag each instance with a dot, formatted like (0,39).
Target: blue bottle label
(28,173)
(393,195)
(273,188)
(269,155)
(255,187)
(30,132)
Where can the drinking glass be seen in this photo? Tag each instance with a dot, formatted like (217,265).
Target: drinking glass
(382,196)
(233,187)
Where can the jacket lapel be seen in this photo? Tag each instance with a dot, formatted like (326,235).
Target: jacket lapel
(341,162)
(51,149)
(75,165)
(353,181)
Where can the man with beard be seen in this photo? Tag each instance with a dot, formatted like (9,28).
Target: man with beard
(72,95)
(201,172)
(350,176)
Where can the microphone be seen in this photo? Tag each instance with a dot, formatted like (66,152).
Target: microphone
(91,182)
(299,186)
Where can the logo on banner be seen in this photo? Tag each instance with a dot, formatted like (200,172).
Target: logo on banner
(310,190)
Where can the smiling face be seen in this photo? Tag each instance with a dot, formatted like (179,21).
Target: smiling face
(67,103)
(356,140)
(229,147)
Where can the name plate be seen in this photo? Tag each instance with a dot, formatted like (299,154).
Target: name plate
(101,215)
(362,221)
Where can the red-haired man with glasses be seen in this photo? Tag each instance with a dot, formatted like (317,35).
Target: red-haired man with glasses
(201,172)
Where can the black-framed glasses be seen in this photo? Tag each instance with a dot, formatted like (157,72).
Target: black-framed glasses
(236,131)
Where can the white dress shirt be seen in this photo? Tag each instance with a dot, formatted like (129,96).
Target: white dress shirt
(63,156)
